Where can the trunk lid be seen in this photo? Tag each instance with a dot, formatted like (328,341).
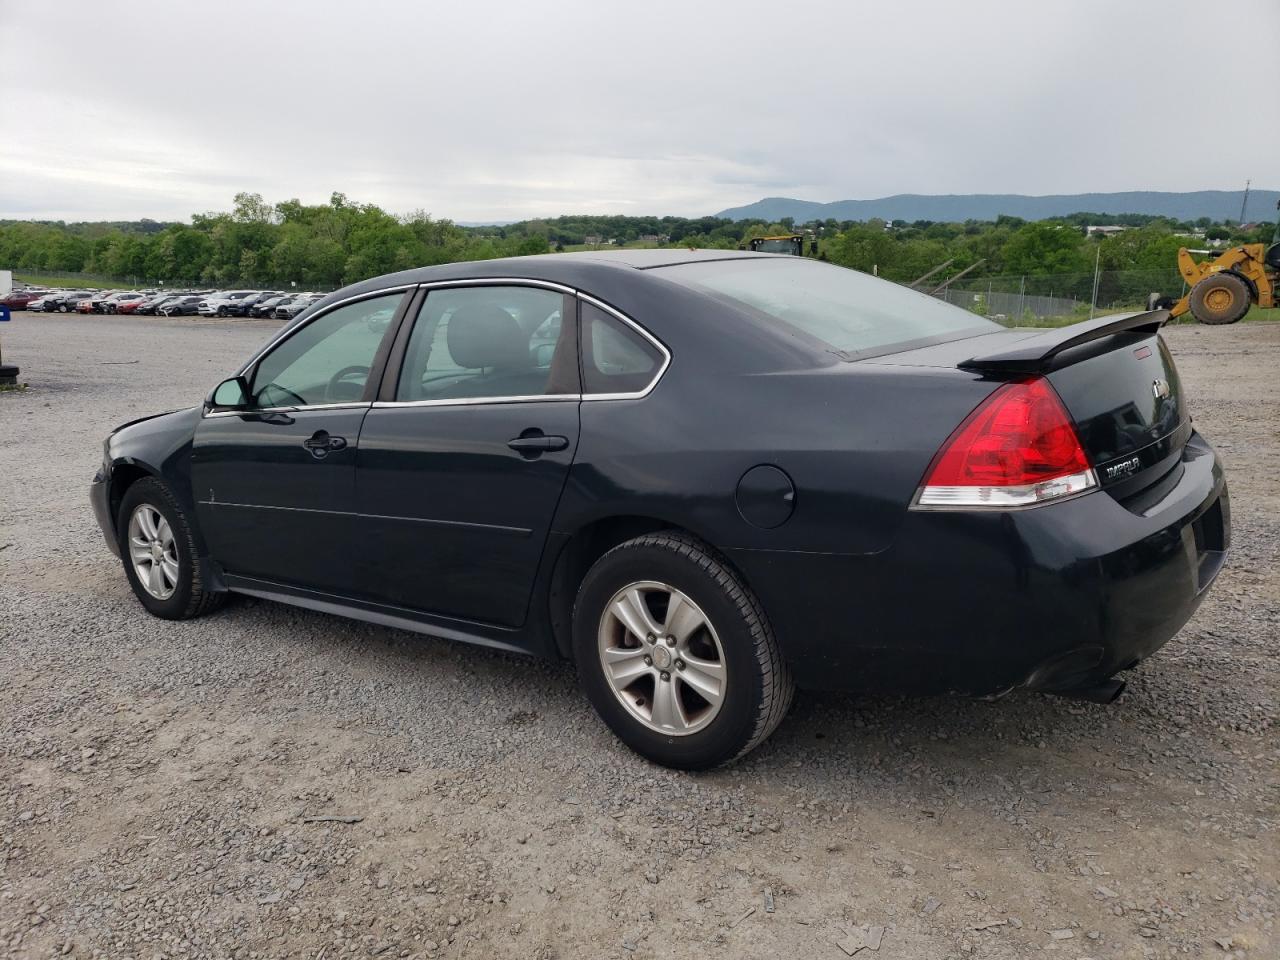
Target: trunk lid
(1126,398)
(1115,376)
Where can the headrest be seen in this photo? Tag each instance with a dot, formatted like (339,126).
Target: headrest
(484,335)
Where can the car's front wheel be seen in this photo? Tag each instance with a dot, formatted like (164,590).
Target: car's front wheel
(675,653)
(159,553)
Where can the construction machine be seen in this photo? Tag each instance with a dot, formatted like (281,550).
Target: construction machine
(1222,290)
(792,243)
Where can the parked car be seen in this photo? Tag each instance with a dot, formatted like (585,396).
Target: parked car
(149,304)
(223,303)
(184,306)
(291,308)
(111,303)
(70,302)
(244,306)
(22,299)
(62,301)
(96,302)
(730,475)
(128,304)
(267,307)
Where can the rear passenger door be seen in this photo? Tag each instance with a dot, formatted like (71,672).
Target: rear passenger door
(465,453)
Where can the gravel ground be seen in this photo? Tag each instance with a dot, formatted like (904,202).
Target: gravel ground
(159,782)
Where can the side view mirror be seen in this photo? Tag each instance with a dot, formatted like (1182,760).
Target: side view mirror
(232,394)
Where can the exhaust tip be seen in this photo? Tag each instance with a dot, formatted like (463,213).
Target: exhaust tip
(1105,692)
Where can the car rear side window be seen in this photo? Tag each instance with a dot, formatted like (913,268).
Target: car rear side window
(847,311)
(615,358)
(489,343)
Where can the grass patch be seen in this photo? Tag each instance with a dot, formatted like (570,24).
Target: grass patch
(1261,315)
(1255,315)
(69,283)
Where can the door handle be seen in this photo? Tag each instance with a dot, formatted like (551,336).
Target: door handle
(537,445)
(321,444)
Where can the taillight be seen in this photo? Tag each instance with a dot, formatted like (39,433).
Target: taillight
(1018,449)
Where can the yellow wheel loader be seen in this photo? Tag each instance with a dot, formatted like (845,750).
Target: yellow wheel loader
(792,243)
(1223,289)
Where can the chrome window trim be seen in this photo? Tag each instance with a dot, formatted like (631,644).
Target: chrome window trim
(461,401)
(254,411)
(288,332)
(661,347)
(472,401)
(291,330)
(498,282)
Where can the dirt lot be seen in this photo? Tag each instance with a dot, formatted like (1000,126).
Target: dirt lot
(156,779)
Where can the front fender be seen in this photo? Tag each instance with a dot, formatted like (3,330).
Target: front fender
(157,447)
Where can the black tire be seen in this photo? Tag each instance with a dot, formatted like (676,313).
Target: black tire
(1220,298)
(758,686)
(222,311)
(62,308)
(191,596)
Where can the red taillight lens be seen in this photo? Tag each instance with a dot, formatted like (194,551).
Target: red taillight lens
(1017,449)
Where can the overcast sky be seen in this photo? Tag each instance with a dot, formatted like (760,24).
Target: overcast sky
(481,110)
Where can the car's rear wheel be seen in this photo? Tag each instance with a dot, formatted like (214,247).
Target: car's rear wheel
(676,654)
(159,553)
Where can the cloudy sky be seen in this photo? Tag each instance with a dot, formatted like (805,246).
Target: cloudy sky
(482,110)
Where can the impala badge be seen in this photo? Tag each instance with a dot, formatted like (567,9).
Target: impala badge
(1160,389)
(1124,469)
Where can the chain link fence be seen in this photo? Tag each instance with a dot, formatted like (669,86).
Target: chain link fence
(1039,299)
(1063,297)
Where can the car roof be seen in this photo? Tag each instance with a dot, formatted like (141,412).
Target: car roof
(648,259)
(572,269)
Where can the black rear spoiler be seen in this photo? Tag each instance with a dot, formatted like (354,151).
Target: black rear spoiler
(1035,353)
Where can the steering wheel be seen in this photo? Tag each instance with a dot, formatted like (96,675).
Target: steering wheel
(275,386)
(336,383)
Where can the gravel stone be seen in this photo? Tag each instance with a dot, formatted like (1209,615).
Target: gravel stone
(155,776)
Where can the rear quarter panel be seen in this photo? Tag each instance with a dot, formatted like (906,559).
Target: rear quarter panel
(855,440)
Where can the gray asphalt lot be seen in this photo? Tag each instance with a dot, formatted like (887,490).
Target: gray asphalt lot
(157,779)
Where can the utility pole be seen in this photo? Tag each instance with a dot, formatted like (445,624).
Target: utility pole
(919,280)
(1245,202)
(948,282)
(1093,301)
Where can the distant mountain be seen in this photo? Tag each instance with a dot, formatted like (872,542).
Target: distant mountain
(955,208)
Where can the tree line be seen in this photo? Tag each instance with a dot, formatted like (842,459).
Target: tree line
(327,245)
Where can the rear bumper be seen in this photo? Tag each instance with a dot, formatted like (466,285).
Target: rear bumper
(1056,598)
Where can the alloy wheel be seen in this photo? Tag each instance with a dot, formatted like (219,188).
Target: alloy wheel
(661,657)
(153,551)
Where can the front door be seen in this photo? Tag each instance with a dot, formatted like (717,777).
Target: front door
(274,484)
(461,467)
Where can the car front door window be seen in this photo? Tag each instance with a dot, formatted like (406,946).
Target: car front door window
(327,361)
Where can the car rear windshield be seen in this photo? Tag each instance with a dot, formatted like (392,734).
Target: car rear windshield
(850,312)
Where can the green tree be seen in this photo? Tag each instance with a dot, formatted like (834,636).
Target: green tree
(1045,248)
